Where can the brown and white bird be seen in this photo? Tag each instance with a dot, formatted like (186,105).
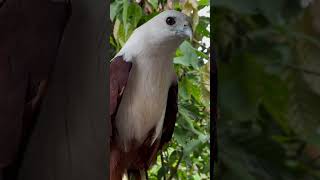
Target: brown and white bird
(143,93)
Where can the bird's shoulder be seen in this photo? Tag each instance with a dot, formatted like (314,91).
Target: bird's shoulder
(119,71)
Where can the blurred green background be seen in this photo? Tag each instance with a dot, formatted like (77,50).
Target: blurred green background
(187,156)
(269,89)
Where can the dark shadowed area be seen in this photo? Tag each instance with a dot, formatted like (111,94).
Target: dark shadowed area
(269,91)
(60,47)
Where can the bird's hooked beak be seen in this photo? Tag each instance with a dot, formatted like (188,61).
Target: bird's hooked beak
(186,31)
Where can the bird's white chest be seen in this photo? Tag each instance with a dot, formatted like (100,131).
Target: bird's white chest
(143,103)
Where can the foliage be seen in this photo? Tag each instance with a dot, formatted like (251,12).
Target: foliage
(187,156)
(269,125)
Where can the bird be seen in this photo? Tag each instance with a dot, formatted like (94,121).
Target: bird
(143,91)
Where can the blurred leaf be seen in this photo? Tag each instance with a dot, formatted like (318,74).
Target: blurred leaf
(115,8)
(189,57)
(268,90)
(202,27)
(244,6)
(194,144)
(154,3)
(203,2)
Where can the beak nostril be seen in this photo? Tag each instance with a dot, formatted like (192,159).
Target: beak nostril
(187,25)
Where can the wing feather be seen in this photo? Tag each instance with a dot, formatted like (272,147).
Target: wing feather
(171,114)
(119,71)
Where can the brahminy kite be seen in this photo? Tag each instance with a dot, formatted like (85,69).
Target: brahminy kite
(143,93)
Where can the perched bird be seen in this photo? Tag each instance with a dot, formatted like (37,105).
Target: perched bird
(143,93)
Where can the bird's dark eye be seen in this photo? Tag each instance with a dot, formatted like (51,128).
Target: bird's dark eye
(170,21)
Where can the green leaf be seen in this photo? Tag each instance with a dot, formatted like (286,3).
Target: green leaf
(194,144)
(189,88)
(154,3)
(125,11)
(161,173)
(189,57)
(203,2)
(201,28)
(134,14)
(115,8)
(186,121)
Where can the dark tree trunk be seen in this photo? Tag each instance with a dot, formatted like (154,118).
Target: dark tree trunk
(69,140)
(30,32)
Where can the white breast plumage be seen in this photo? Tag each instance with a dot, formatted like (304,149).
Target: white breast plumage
(144,101)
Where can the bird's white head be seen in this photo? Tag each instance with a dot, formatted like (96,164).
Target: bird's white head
(163,33)
(170,25)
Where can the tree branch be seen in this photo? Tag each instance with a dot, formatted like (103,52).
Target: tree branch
(175,169)
(146,174)
(307,71)
(162,164)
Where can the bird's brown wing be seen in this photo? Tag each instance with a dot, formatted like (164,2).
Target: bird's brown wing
(171,114)
(119,71)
